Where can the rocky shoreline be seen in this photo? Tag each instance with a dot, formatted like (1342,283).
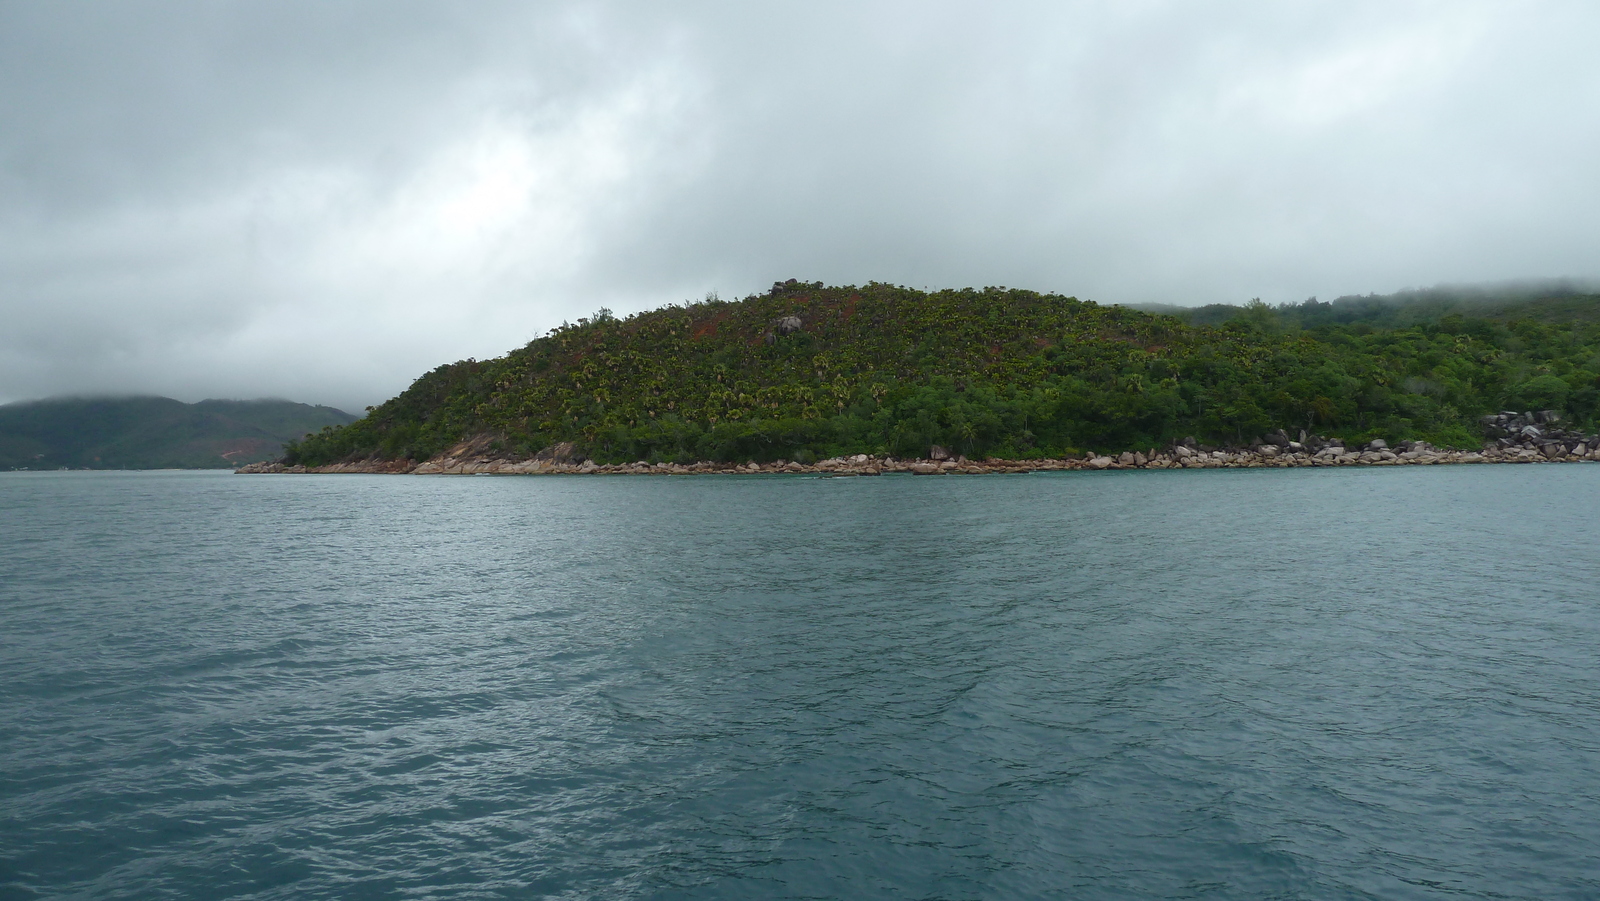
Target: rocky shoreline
(1514,438)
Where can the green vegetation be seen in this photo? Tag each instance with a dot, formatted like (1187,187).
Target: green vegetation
(1554,301)
(152,432)
(996,372)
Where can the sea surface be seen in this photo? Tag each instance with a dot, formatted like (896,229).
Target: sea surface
(1255,684)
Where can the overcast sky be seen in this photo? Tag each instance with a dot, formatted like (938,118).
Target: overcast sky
(323,200)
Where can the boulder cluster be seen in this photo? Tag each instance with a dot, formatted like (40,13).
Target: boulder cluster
(1538,434)
(1515,438)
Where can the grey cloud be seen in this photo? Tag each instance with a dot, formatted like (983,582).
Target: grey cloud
(324,200)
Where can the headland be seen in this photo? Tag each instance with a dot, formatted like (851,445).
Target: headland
(997,379)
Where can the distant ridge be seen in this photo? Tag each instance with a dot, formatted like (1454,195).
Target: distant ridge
(153,432)
(1548,300)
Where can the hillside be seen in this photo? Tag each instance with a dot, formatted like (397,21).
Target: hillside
(1551,301)
(808,371)
(153,432)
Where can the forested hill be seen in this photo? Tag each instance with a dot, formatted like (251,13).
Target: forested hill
(807,371)
(153,432)
(1548,301)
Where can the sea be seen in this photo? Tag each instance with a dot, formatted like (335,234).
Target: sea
(1353,683)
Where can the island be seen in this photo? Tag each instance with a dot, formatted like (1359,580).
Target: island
(881,378)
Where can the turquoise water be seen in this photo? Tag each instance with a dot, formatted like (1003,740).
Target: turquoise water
(1375,683)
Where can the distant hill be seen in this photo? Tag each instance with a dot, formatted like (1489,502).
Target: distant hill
(1557,301)
(153,432)
(807,371)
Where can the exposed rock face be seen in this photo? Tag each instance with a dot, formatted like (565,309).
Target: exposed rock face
(938,453)
(788,325)
(1523,436)
(1509,423)
(561,452)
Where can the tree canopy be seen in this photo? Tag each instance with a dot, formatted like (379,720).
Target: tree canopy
(992,372)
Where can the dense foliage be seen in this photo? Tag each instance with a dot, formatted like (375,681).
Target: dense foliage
(152,432)
(992,372)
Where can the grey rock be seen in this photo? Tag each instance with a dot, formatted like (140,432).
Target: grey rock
(788,325)
(938,453)
(560,452)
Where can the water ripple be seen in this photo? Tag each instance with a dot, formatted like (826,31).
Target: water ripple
(1331,684)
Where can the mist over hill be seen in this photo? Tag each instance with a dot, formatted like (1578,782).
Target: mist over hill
(1545,300)
(153,432)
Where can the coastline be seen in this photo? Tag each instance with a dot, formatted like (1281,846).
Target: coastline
(863,465)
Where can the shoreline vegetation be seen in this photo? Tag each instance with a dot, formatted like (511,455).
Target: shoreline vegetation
(814,378)
(1523,438)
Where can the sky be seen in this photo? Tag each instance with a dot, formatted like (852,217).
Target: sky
(321,201)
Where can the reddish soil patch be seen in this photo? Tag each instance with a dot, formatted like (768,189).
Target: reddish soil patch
(708,328)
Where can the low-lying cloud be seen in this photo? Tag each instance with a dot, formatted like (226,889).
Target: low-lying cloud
(322,202)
